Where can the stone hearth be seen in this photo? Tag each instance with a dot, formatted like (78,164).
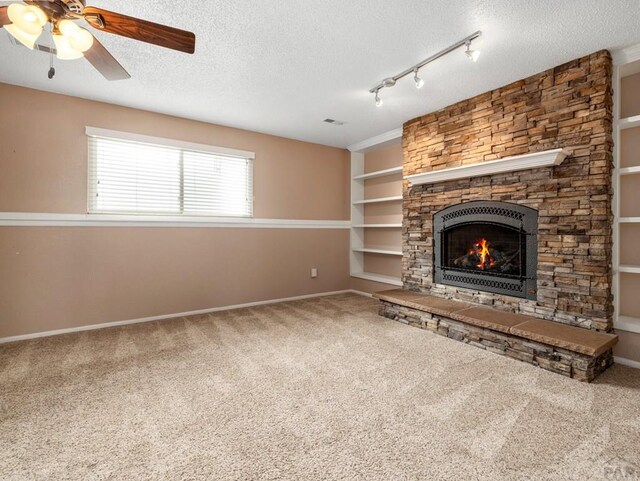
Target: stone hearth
(575,352)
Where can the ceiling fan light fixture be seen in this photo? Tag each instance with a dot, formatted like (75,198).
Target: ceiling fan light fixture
(79,38)
(27,22)
(28,18)
(23,37)
(64,51)
(82,40)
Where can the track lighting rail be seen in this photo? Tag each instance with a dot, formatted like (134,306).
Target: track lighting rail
(390,82)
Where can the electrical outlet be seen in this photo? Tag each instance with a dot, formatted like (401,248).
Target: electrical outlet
(314,272)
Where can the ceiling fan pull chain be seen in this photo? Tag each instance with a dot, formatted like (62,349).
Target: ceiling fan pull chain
(52,70)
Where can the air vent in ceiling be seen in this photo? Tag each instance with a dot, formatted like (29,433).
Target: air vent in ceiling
(333,121)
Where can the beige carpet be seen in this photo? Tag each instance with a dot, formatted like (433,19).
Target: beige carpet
(316,389)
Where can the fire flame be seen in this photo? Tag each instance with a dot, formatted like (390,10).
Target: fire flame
(482,251)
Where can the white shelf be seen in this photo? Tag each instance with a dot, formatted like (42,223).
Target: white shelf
(379,173)
(516,163)
(627,323)
(629,220)
(380,199)
(629,269)
(378,226)
(629,170)
(394,281)
(629,122)
(368,250)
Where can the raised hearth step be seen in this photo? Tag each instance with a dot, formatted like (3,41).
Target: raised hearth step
(489,318)
(571,338)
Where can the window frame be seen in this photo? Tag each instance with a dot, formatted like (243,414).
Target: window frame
(180,145)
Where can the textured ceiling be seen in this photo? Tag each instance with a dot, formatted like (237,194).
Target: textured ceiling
(281,67)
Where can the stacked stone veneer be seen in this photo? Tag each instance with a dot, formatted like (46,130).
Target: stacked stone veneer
(568,107)
(562,361)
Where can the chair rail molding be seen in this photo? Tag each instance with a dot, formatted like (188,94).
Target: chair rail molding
(32,219)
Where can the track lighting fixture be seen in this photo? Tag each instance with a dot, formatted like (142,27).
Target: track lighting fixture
(391,81)
(472,54)
(419,82)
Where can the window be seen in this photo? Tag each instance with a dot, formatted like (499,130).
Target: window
(133,174)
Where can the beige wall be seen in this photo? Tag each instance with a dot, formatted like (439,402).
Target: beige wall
(369,287)
(383,157)
(629,147)
(44,157)
(60,277)
(629,248)
(630,96)
(628,346)
(56,277)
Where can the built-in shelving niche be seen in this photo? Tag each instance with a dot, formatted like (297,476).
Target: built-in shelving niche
(626,184)
(376,212)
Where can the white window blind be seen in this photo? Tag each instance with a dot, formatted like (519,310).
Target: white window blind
(133,177)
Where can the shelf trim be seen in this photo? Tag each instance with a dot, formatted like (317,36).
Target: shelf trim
(378,226)
(379,173)
(629,220)
(386,252)
(629,269)
(533,160)
(376,141)
(629,170)
(378,200)
(628,324)
(369,276)
(629,122)
(626,55)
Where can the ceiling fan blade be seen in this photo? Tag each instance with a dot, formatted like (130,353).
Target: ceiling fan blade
(103,62)
(4,16)
(142,30)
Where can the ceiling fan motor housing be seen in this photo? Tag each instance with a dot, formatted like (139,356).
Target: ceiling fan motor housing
(75,6)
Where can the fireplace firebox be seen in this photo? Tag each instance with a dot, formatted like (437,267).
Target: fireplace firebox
(488,246)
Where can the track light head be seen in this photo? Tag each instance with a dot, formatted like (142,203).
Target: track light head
(419,82)
(472,54)
(378,99)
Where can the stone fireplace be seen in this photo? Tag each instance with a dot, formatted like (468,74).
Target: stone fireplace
(555,221)
(507,220)
(490,246)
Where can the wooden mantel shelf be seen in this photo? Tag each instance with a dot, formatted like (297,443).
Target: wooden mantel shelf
(546,158)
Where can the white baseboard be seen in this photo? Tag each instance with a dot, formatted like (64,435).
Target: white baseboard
(627,362)
(361,293)
(104,325)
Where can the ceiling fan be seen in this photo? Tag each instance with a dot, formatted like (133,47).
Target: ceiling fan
(26,21)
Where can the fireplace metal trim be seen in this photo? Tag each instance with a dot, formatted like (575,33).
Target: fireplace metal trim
(518,217)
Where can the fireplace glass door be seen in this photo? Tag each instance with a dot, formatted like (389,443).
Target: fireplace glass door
(486,248)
